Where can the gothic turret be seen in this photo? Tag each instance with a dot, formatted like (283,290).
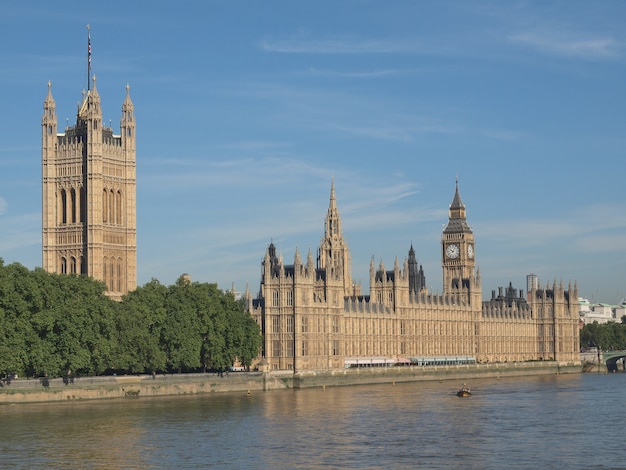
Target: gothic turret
(417,280)
(127,122)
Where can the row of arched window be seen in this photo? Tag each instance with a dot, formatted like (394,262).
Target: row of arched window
(70,206)
(112,270)
(111,206)
(71,265)
(113,274)
(69,211)
(275,298)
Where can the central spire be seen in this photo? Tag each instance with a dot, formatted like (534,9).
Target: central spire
(333,253)
(333,221)
(333,200)
(457,216)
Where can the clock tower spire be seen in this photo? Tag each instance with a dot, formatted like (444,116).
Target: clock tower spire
(457,245)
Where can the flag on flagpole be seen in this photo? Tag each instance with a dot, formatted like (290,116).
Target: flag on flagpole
(88,56)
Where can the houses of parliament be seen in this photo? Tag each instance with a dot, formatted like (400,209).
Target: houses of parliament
(312,314)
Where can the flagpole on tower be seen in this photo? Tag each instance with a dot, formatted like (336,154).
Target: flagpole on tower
(88,56)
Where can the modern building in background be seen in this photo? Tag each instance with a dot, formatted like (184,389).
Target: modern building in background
(532,282)
(89,194)
(600,312)
(313,316)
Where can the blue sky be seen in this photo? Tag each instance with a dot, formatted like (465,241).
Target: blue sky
(246,111)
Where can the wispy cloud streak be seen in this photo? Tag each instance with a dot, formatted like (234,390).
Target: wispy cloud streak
(297,45)
(562,45)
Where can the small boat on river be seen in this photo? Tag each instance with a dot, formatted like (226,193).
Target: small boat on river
(465,391)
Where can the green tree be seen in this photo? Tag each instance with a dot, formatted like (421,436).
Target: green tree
(52,323)
(75,323)
(15,332)
(251,342)
(139,329)
(607,336)
(181,332)
(244,336)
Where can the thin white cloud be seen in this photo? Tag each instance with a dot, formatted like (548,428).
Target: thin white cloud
(401,131)
(188,173)
(364,204)
(344,45)
(344,74)
(256,145)
(368,117)
(568,46)
(587,227)
(601,243)
(503,134)
(382,133)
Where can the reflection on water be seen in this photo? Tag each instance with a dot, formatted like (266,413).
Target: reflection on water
(571,421)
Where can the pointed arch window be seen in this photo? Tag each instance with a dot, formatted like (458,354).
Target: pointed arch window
(118,207)
(119,275)
(111,207)
(63,206)
(81,205)
(112,276)
(105,207)
(63,265)
(73,265)
(275,298)
(73,202)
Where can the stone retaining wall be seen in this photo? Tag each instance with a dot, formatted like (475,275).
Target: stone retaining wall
(133,386)
(374,375)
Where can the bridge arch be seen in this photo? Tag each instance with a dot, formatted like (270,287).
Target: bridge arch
(610,359)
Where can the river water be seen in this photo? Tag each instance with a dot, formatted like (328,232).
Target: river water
(561,422)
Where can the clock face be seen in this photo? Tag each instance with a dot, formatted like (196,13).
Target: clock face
(452,251)
(470,251)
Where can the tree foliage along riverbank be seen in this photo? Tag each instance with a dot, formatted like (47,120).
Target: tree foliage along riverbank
(609,336)
(52,324)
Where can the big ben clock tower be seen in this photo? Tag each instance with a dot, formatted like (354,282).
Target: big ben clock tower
(458,251)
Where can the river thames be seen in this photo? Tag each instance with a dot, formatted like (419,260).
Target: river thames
(567,421)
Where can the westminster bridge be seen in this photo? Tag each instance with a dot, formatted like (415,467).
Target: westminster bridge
(614,361)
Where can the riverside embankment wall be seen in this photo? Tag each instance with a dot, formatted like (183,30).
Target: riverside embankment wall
(375,375)
(134,386)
